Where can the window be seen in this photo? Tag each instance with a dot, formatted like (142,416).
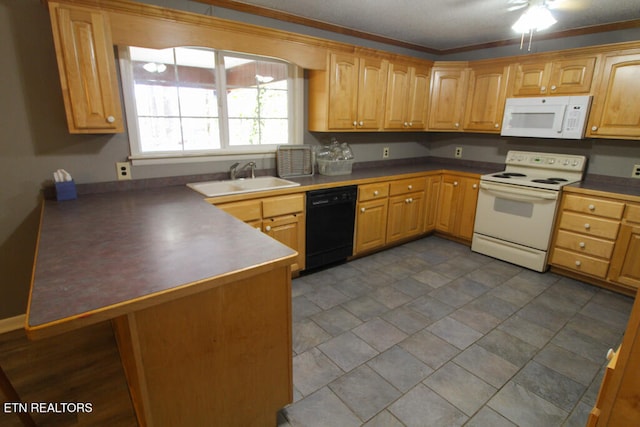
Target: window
(189,101)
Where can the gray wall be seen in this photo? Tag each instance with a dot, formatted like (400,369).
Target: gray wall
(35,142)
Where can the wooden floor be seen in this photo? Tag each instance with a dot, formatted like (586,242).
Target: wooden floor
(80,366)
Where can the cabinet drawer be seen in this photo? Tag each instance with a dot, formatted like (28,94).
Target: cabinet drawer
(282,205)
(249,210)
(407,186)
(580,263)
(632,213)
(599,207)
(585,244)
(373,191)
(589,225)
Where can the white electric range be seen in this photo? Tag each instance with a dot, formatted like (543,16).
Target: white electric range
(517,207)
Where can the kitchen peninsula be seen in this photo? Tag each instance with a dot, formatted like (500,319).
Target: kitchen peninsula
(200,302)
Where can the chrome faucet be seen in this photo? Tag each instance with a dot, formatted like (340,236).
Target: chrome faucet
(233,170)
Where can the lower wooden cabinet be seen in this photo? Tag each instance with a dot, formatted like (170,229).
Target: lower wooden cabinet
(617,401)
(371,217)
(406,209)
(457,206)
(281,217)
(625,263)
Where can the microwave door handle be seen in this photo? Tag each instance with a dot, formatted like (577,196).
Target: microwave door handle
(521,194)
(559,124)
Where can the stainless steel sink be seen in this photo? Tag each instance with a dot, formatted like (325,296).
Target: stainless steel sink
(237,186)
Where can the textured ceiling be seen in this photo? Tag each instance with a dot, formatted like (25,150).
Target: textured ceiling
(448,24)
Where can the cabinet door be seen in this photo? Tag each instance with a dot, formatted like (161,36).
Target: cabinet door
(572,76)
(397,101)
(371,225)
(86,63)
(418,103)
(431,202)
(448,202)
(448,91)
(615,113)
(467,210)
(486,98)
(288,230)
(531,78)
(372,83)
(343,91)
(625,263)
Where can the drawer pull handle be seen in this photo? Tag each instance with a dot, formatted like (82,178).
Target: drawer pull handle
(610,354)
(362,209)
(410,187)
(268,228)
(587,226)
(375,193)
(578,263)
(592,207)
(474,186)
(582,244)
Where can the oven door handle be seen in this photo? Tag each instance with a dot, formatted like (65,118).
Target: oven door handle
(520,194)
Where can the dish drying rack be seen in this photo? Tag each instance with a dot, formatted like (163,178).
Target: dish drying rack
(294,161)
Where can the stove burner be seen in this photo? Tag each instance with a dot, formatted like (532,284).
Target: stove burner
(546,181)
(509,175)
(558,179)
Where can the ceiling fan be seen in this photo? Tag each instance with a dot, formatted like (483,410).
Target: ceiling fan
(549,4)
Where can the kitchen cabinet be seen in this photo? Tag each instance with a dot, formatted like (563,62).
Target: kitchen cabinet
(86,63)
(457,206)
(432,192)
(407,97)
(349,95)
(371,217)
(615,113)
(625,263)
(617,401)
(486,96)
(447,96)
(280,217)
(569,75)
(406,209)
(597,239)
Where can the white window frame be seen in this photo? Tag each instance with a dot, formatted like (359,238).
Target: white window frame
(295,115)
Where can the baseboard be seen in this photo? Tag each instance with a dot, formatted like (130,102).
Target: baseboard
(11,324)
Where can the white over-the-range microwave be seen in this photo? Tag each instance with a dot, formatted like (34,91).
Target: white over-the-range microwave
(546,117)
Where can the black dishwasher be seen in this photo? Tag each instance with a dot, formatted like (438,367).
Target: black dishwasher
(330,224)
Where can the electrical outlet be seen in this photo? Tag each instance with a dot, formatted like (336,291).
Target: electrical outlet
(458,154)
(636,171)
(385,153)
(123,170)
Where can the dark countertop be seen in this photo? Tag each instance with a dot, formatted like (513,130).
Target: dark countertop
(625,188)
(103,251)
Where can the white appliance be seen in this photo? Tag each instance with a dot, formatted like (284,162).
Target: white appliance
(549,117)
(517,207)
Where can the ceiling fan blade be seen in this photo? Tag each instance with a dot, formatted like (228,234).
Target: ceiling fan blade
(568,5)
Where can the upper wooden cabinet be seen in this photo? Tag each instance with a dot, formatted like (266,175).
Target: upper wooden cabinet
(407,97)
(486,95)
(448,94)
(349,95)
(86,62)
(615,112)
(561,76)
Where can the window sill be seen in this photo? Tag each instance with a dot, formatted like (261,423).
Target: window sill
(226,155)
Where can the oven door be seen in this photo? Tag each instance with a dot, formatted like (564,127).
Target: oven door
(516,214)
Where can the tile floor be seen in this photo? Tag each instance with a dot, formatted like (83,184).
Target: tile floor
(432,334)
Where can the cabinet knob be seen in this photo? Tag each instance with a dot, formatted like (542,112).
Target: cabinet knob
(457,125)
(474,186)
(497,125)
(410,199)
(553,87)
(587,226)
(259,228)
(375,193)
(268,228)
(410,124)
(543,88)
(610,354)
(111,119)
(362,210)
(410,187)
(455,183)
(578,263)
(582,244)
(592,207)
(355,123)
(361,123)
(594,128)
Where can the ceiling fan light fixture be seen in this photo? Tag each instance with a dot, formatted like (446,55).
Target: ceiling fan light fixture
(534,18)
